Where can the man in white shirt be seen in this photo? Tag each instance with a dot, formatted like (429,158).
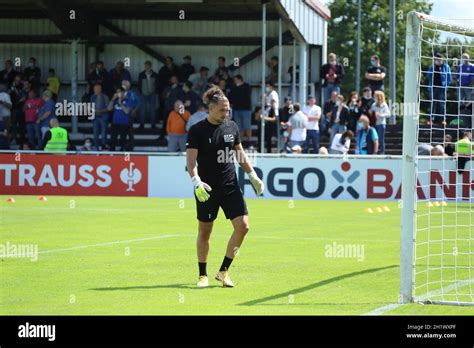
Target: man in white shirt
(273,100)
(313,112)
(297,127)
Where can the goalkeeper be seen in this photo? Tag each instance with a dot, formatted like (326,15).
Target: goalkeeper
(212,143)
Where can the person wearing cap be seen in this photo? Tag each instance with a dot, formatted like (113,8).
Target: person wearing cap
(375,74)
(46,112)
(313,112)
(186,69)
(148,86)
(200,80)
(438,77)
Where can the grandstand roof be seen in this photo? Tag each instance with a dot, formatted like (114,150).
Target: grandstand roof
(303,16)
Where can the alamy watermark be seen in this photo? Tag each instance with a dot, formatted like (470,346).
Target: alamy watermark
(11,250)
(345,251)
(71,109)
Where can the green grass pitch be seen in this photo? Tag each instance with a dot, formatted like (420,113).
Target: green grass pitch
(115,256)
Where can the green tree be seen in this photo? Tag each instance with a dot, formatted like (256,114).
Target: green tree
(375,32)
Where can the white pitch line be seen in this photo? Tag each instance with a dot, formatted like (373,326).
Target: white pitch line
(113,243)
(390,307)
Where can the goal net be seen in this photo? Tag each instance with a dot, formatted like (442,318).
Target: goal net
(437,245)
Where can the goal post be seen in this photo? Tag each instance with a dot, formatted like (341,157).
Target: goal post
(410,128)
(437,210)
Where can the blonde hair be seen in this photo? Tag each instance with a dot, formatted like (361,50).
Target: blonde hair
(381,95)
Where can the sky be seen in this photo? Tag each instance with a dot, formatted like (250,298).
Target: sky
(453,9)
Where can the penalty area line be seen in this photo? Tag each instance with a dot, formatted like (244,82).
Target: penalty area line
(163,236)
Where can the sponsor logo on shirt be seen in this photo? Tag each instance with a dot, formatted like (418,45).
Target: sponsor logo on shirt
(228,138)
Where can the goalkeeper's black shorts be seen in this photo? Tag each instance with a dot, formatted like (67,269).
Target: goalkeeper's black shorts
(230,199)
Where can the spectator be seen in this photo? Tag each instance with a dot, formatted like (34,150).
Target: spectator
(272,112)
(56,138)
(273,65)
(8,74)
(18,126)
(186,69)
(367,101)
(381,111)
(122,107)
(198,116)
(466,114)
(33,74)
(98,75)
(5,106)
(200,81)
(313,113)
(464,149)
(171,94)
(327,110)
(88,146)
(297,127)
(53,83)
(339,118)
(119,74)
(464,78)
(223,86)
(241,104)
(367,141)
(438,78)
(220,68)
(31,108)
(430,150)
(270,119)
(375,74)
(99,125)
(148,86)
(46,112)
(355,110)
(135,106)
(341,143)
(285,112)
(332,73)
(165,73)
(448,145)
(290,73)
(4,143)
(176,127)
(190,98)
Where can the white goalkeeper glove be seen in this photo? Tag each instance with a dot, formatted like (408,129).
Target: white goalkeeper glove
(256,183)
(201,189)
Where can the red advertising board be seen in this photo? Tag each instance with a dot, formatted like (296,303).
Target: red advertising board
(81,175)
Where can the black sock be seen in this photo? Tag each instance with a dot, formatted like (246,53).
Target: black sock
(225,264)
(202,268)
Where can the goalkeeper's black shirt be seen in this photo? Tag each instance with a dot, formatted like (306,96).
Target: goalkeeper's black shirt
(215,145)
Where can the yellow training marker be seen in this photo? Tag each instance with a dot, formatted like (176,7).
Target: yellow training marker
(386,208)
(437,204)
(369,210)
(444,204)
(379,210)
(429,204)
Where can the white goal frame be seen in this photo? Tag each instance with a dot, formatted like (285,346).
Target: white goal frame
(411,114)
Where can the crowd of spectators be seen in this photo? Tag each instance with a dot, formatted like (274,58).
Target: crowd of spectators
(171,98)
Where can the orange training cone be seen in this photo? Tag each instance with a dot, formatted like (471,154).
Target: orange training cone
(42,198)
(11,200)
